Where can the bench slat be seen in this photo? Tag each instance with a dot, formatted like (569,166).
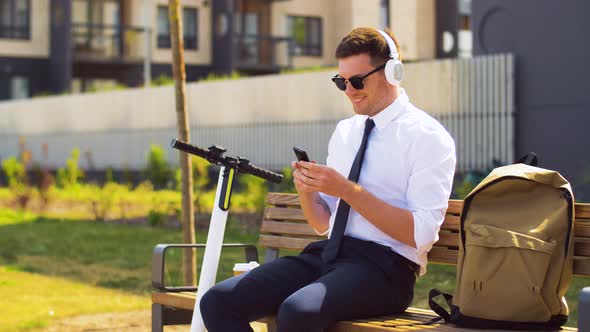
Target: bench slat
(291,228)
(283,199)
(581,228)
(443,255)
(448,239)
(455,206)
(284,242)
(451,222)
(182,300)
(284,214)
(581,266)
(582,247)
(582,210)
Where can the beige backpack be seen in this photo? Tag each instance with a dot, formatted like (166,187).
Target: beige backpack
(516,252)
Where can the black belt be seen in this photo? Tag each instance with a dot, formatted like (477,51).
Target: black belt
(396,256)
(413,266)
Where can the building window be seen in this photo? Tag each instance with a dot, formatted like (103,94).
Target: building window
(384,14)
(19,87)
(190,28)
(189,20)
(15,19)
(307,35)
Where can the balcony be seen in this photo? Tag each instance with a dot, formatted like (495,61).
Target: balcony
(15,31)
(108,43)
(263,54)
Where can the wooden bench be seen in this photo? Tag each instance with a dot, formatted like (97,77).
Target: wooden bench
(284,227)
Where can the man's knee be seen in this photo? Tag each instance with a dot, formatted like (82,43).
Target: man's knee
(295,315)
(213,302)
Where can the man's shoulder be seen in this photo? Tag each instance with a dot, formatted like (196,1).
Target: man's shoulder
(416,119)
(418,123)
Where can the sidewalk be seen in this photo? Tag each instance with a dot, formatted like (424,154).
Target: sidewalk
(135,321)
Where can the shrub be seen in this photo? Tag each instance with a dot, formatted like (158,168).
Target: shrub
(15,172)
(162,80)
(108,175)
(253,194)
(45,181)
(104,199)
(287,184)
(71,174)
(201,180)
(16,175)
(158,171)
(155,218)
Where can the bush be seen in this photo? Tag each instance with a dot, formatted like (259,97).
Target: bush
(45,182)
(15,172)
(158,171)
(104,199)
(16,175)
(162,80)
(201,180)
(70,175)
(108,175)
(253,194)
(287,184)
(155,218)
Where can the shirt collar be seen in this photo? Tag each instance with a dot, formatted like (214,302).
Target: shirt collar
(392,111)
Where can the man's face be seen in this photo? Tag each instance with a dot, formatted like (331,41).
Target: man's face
(373,97)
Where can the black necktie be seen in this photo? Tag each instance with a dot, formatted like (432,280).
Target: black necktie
(331,249)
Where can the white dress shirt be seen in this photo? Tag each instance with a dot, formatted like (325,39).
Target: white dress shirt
(409,163)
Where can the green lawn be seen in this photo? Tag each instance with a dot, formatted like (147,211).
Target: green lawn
(65,266)
(54,268)
(30,300)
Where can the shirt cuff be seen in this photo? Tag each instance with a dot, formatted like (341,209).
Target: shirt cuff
(321,234)
(426,226)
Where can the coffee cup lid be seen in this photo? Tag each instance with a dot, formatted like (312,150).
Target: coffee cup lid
(245,266)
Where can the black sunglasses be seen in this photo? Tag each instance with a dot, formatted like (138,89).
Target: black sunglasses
(356,82)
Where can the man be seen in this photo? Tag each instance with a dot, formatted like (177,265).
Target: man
(382,196)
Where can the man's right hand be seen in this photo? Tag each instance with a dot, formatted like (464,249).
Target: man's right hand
(299,178)
(314,207)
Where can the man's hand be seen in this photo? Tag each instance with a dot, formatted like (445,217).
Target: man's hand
(310,177)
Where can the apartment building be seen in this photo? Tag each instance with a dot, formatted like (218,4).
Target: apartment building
(55,46)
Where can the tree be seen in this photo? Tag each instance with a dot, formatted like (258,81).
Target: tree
(188,226)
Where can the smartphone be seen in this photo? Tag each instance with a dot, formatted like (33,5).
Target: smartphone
(301,154)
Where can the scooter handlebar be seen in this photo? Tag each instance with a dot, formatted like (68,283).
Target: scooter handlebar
(262,173)
(191,149)
(215,157)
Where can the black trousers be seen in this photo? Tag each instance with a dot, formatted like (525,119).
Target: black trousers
(306,294)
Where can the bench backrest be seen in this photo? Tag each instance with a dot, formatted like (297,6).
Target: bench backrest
(284,227)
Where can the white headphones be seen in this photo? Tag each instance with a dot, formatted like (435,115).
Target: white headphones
(394,69)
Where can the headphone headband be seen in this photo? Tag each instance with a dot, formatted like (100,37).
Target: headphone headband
(391,44)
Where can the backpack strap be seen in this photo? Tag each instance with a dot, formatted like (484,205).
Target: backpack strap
(434,293)
(529,159)
(429,322)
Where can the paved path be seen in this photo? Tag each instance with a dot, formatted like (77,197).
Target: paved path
(135,321)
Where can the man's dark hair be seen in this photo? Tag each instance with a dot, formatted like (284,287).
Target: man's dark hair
(368,41)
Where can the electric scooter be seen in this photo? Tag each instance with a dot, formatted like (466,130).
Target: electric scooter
(229,168)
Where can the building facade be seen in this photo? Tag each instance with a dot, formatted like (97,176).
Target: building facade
(57,46)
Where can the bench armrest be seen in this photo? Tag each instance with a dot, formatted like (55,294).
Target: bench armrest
(158,263)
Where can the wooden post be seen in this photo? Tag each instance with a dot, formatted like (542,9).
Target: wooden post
(188,224)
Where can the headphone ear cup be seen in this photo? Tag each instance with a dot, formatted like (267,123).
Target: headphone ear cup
(389,72)
(398,71)
(394,71)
